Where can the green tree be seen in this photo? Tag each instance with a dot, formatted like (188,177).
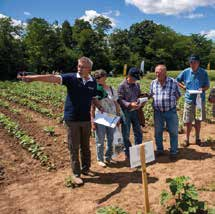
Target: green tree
(66,34)
(120,51)
(202,46)
(89,42)
(43,45)
(11,49)
(101,25)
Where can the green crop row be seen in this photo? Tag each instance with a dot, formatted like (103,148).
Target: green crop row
(25,141)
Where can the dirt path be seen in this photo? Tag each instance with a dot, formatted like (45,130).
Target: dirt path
(28,188)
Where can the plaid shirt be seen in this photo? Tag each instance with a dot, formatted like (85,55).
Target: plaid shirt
(164,97)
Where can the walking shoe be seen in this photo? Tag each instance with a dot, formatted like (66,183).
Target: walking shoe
(77,180)
(102,164)
(198,142)
(89,173)
(159,153)
(186,143)
(109,161)
(173,157)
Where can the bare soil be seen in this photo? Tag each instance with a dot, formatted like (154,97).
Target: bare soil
(26,187)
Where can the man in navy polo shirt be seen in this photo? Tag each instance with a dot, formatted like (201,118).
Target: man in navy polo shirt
(81,91)
(193,78)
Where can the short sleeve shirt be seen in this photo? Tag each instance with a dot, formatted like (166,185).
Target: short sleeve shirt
(193,81)
(79,97)
(164,97)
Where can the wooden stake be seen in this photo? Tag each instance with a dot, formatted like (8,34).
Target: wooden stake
(144,179)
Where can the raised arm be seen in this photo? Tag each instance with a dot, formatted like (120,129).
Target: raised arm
(43,78)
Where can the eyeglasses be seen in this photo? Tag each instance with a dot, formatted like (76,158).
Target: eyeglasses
(99,77)
(83,66)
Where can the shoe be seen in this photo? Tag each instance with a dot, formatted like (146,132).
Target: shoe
(88,173)
(127,158)
(173,157)
(102,164)
(109,161)
(159,153)
(77,180)
(198,142)
(186,143)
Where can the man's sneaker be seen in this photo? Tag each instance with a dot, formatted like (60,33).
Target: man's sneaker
(77,180)
(102,164)
(89,173)
(186,143)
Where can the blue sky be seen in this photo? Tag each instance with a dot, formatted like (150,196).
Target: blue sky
(183,16)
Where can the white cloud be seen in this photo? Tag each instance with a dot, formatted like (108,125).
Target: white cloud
(117,13)
(15,22)
(2,16)
(209,34)
(194,15)
(169,7)
(113,13)
(91,14)
(27,13)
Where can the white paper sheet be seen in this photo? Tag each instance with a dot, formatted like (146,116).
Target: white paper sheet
(106,119)
(140,102)
(194,91)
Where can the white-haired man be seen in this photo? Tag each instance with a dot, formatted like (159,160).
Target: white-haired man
(81,90)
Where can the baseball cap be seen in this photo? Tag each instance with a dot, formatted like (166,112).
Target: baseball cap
(194,57)
(134,72)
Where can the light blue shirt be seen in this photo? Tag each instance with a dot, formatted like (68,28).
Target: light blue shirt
(193,81)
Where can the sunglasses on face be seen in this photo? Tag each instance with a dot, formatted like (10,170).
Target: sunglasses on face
(97,78)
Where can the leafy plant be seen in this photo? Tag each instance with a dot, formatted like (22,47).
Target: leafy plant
(111,210)
(69,182)
(183,198)
(25,141)
(49,130)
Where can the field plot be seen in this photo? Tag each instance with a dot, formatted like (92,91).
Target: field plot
(34,160)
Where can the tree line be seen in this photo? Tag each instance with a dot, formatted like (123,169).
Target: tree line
(42,47)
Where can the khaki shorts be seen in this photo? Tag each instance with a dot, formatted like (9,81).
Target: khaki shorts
(190,112)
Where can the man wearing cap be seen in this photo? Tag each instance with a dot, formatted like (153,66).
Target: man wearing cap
(128,92)
(165,93)
(193,78)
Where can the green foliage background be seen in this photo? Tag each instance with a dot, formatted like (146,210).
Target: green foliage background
(42,47)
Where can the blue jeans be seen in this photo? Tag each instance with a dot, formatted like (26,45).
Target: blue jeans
(171,119)
(131,117)
(101,131)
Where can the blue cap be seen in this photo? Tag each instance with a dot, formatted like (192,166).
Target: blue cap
(194,57)
(134,72)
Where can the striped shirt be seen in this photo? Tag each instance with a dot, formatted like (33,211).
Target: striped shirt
(164,97)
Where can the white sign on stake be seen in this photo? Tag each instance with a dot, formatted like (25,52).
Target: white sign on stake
(135,154)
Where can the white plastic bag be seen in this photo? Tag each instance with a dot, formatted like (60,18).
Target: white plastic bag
(118,145)
(198,107)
